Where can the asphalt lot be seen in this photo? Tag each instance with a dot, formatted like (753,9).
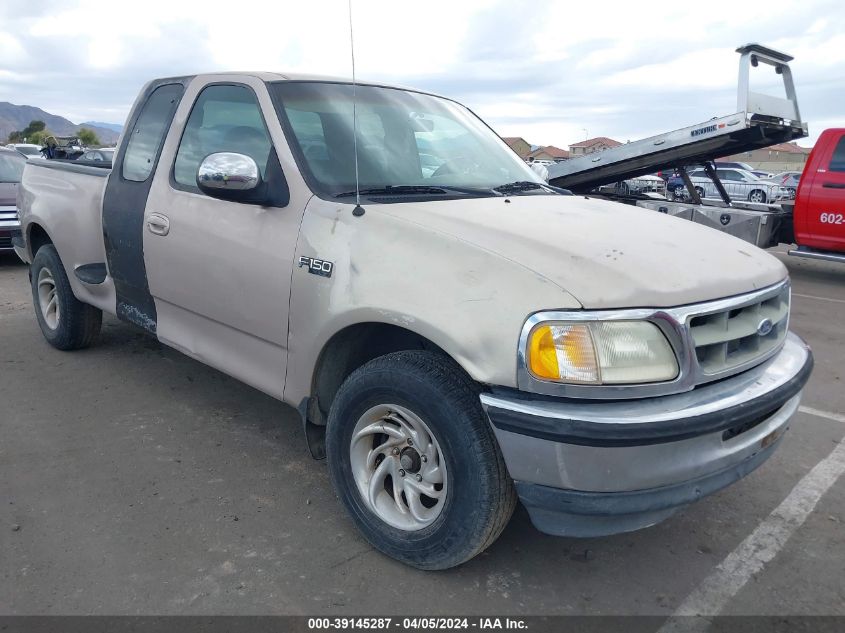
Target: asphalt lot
(134,480)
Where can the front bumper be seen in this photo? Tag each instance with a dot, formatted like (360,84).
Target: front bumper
(586,468)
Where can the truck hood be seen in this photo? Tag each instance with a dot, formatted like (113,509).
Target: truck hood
(605,254)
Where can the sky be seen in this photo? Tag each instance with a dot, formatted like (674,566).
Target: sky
(553,72)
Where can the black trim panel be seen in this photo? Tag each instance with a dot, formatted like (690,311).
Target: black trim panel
(587,433)
(91,273)
(124,203)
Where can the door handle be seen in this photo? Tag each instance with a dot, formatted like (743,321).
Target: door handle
(834,185)
(158,224)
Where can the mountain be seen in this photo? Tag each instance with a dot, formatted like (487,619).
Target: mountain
(114,127)
(17,117)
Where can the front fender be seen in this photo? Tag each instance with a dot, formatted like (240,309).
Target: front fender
(470,302)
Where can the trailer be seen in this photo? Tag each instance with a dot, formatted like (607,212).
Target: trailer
(760,120)
(63,147)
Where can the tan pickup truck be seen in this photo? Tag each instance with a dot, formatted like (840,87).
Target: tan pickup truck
(465,337)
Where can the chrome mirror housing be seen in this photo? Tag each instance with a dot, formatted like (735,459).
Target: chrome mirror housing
(225,173)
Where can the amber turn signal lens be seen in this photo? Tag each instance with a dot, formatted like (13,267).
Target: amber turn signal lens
(563,352)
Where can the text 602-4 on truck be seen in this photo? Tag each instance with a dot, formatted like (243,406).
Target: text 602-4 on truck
(465,337)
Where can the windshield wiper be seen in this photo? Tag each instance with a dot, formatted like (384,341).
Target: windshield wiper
(410,190)
(528,185)
(519,185)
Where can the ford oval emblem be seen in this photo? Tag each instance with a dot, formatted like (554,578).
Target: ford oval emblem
(765,326)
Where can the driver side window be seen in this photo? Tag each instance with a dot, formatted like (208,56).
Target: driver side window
(224,118)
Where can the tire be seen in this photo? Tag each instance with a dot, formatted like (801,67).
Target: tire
(69,324)
(476,497)
(757,196)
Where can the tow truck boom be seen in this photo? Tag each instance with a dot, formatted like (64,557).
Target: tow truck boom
(761,120)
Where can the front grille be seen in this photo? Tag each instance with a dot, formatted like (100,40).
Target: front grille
(736,337)
(5,241)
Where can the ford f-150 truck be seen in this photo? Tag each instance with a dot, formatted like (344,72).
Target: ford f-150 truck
(462,336)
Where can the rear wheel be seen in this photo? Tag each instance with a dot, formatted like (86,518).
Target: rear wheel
(757,196)
(65,322)
(415,462)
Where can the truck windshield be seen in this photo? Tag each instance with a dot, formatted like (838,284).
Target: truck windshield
(409,143)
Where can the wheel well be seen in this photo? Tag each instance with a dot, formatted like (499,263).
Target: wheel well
(348,350)
(37,238)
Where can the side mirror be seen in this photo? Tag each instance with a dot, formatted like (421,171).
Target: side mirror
(231,176)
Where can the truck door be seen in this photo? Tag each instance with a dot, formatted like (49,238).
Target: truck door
(822,204)
(220,271)
(126,197)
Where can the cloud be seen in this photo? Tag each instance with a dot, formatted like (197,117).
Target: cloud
(545,71)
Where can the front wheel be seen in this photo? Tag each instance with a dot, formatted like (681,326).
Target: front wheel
(757,196)
(415,462)
(65,321)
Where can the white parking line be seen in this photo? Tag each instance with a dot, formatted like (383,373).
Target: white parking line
(760,547)
(795,294)
(836,417)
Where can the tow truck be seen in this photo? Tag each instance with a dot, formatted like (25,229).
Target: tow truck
(760,120)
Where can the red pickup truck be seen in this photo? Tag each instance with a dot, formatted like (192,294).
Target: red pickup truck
(819,216)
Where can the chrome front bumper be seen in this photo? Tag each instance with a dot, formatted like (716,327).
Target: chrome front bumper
(589,468)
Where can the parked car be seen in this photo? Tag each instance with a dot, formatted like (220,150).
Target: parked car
(455,341)
(788,179)
(674,183)
(740,185)
(723,164)
(103,155)
(29,150)
(11,167)
(639,185)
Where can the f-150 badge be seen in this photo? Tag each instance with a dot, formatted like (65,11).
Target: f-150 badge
(317,266)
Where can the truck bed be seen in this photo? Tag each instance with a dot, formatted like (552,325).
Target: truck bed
(69,201)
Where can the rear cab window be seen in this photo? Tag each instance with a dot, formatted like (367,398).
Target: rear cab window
(149,131)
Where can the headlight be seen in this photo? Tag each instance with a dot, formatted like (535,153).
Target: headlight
(600,352)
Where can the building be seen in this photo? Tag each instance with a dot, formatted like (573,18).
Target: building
(775,158)
(592,145)
(519,145)
(549,152)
